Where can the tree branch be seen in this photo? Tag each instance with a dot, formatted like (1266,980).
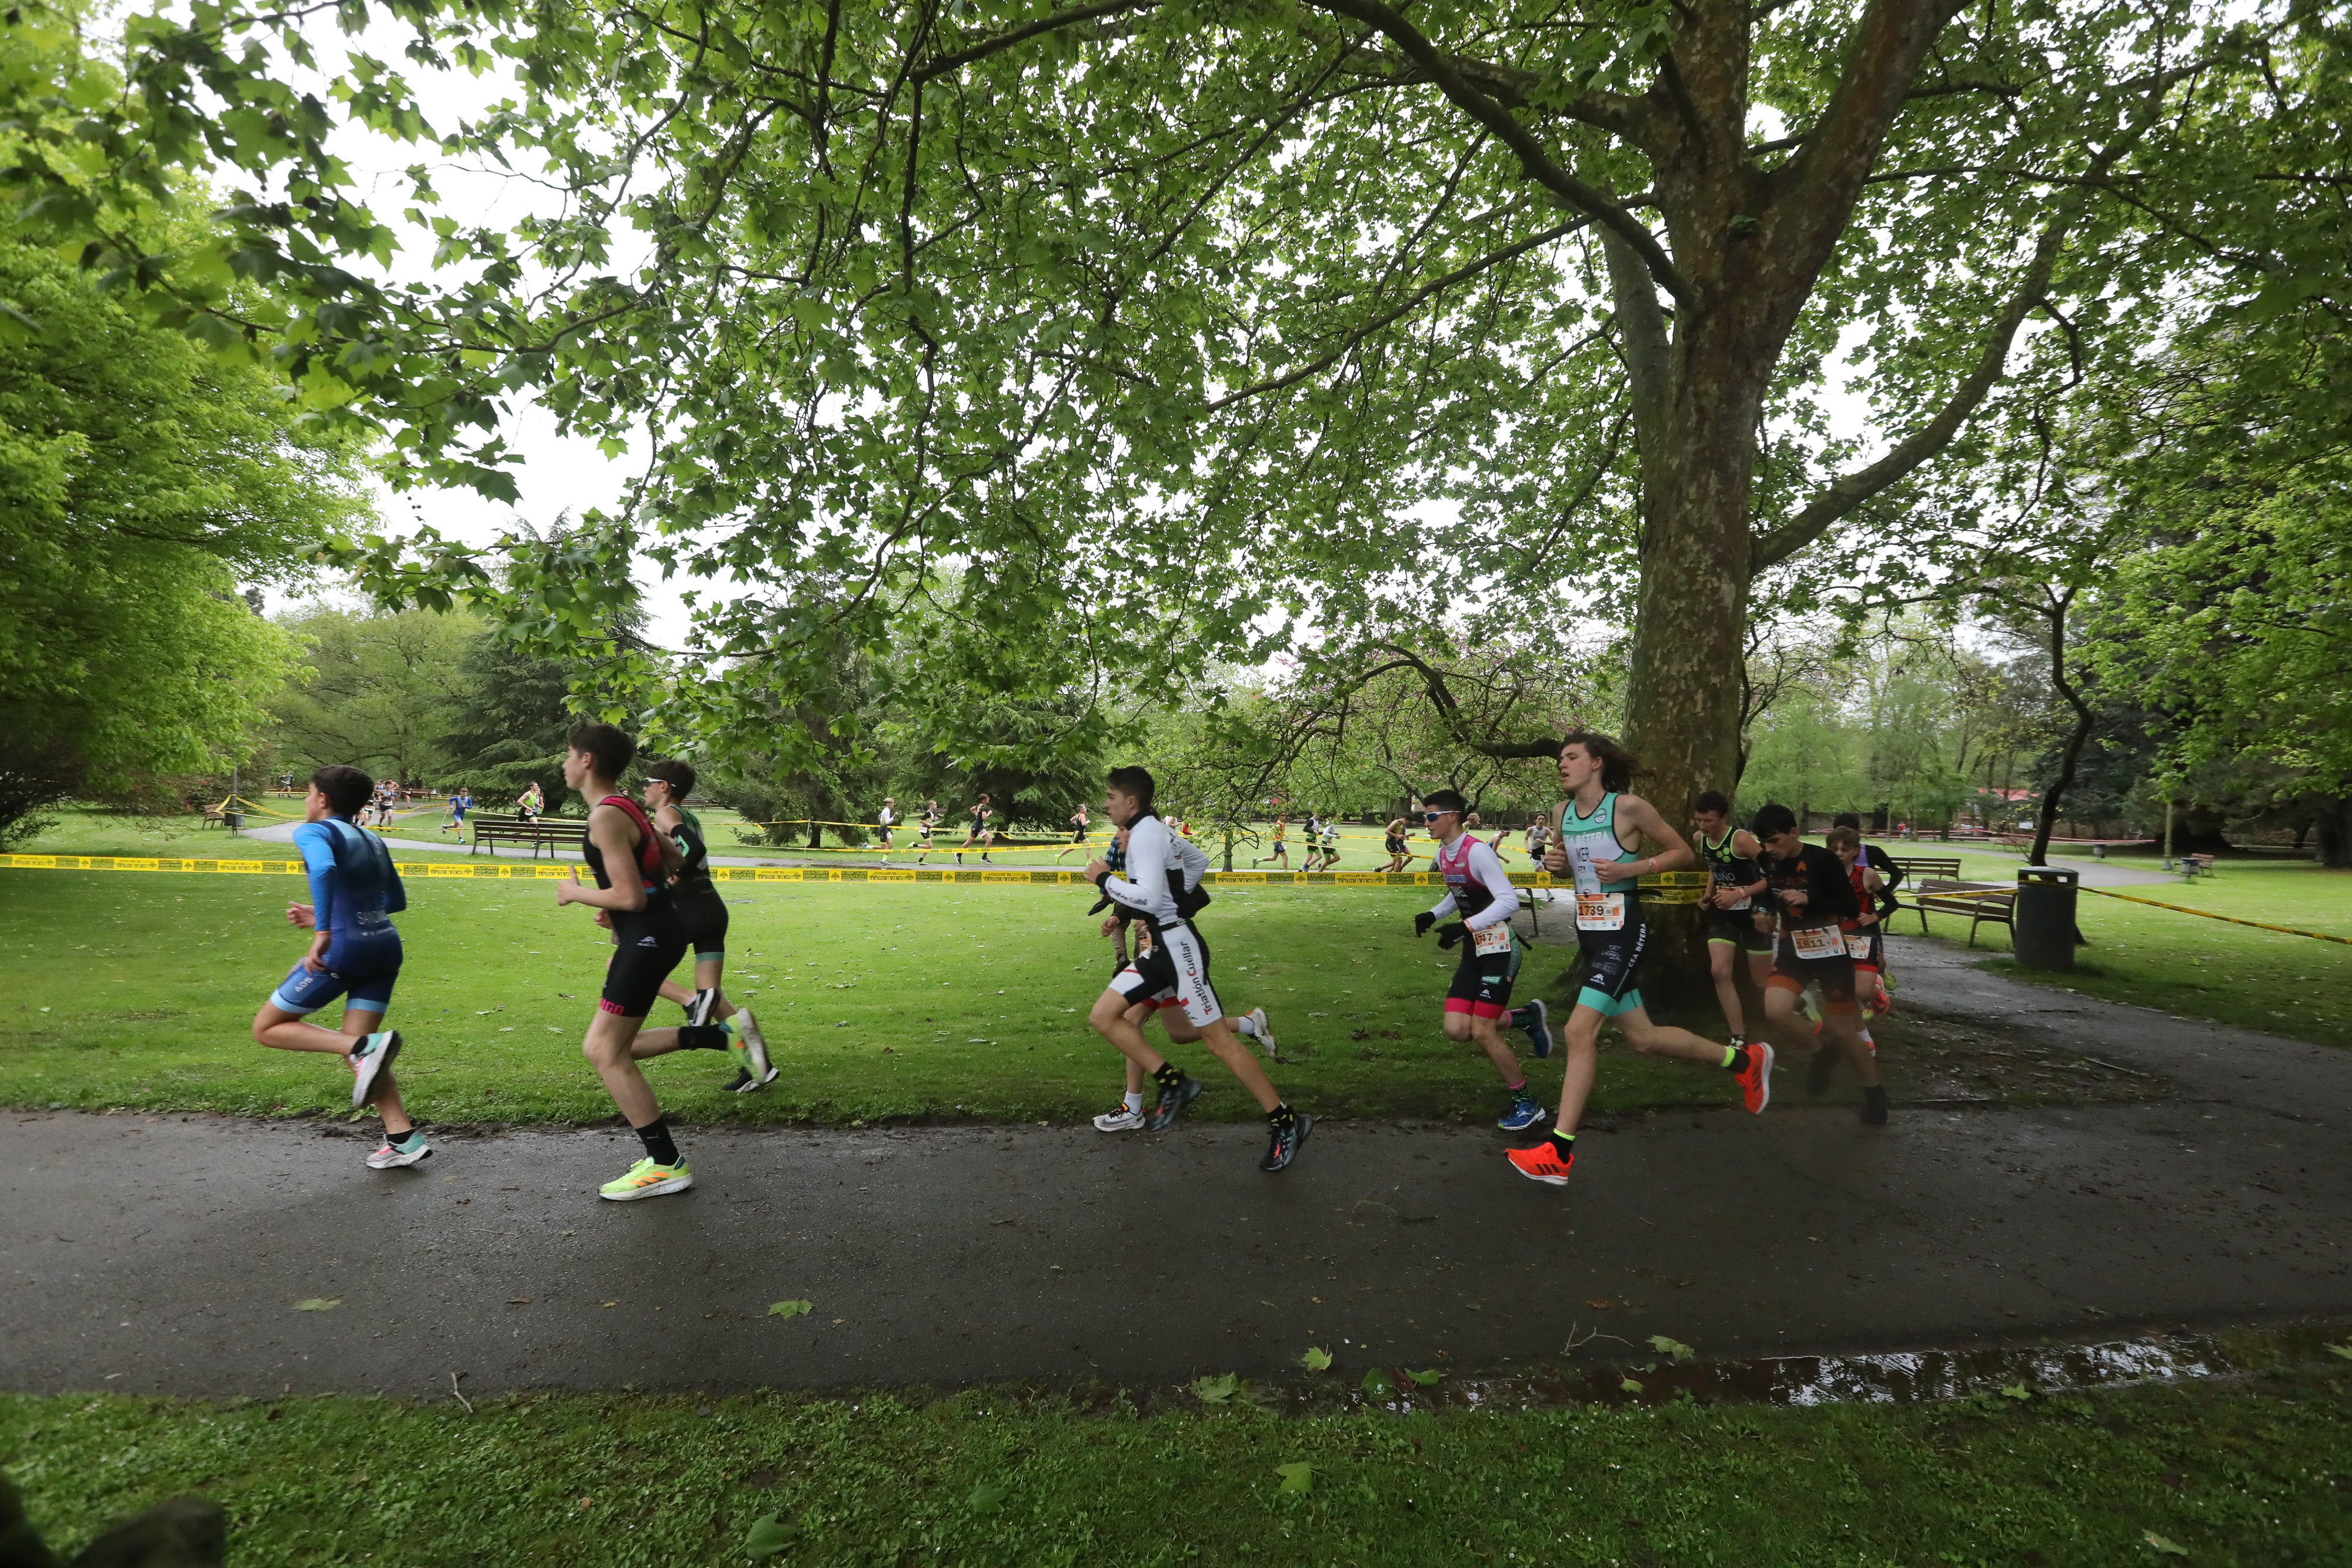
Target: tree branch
(1003,41)
(1843,494)
(1447,77)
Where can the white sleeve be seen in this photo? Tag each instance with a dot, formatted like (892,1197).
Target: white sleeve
(1192,860)
(1144,888)
(1445,906)
(1488,870)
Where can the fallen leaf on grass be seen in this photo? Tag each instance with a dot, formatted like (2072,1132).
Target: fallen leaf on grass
(1378,1384)
(2158,1543)
(1316,1360)
(1427,1379)
(2017,1391)
(790,1309)
(1629,1385)
(319,1304)
(987,1499)
(768,1537)
(1673,1349)
(1217,1390)
(1299,1477)
(2343,1350)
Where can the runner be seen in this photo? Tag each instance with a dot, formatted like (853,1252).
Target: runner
(1331,844)
(1310,839)
(460,802)
(355,953)
(981,813)
(924,824)
(1128,1117)
(1281,848)
(1479,893)
(1732,913)
(1815,893)
(1394,848)
(1538,832)
(1177,963)
(1890,877)
(703,914)
(531,802)
(1078,838)
(633,864)
(1863,943)
(1592,841)
(883,820)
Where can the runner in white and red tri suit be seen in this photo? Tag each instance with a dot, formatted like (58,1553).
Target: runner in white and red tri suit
(1481,899)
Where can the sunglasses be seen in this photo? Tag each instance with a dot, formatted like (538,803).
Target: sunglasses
(1433,816)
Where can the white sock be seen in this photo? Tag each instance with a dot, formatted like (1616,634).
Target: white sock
(1134,1099)
(1245,1025)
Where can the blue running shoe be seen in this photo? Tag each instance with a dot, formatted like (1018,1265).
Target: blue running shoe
(1536,1019)
(1522,1115)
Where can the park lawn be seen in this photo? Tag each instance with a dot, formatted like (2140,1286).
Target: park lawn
(2255,1472)
(76,830)
(2194,967)
(917,1002)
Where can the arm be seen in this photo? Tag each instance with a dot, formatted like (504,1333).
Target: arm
(317,851)
(610,830)
(1643,819)
(1144,888)
(1488,869)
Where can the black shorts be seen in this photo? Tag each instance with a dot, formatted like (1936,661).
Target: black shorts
(646,946)
(1738,926)
(1175,971)
(702,915)
(1482,982)
(1834,974)
(1395,846)
(1612,968)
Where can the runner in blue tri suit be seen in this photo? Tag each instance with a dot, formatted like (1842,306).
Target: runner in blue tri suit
(355,953)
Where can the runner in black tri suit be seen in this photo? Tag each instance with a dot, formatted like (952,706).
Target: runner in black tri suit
(1813,893)
(634,863)
(1734,914)
(981,813)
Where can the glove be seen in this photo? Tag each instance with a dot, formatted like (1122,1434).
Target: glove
(1422,922)
(1452,932)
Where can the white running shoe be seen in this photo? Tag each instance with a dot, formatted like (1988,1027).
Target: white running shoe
(405,1150)
(753,1051)
(1121,1120)
(1256,1017)
(697,1011)
(369,1057)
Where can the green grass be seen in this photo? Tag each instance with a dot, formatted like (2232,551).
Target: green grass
(2203,968)
(909,1002)
(2252,1473)
(87,831)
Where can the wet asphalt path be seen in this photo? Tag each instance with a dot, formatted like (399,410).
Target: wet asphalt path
(167,1255)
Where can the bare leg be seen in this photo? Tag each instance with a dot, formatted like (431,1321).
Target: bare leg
(1845,1029)
(607,1047)
(1109,1019)
(1488,1034)
(1720,957)
(1580,1044)
(1666,1039)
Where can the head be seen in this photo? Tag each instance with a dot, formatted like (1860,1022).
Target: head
(1443,810)
(1844,842)
(669,782)
(1472,821)
(890,801)
(338,790)
(1710,811)
(1847,820)
(1586,755)
(1129,795)
(599,751)
(985,799)
(1775,829)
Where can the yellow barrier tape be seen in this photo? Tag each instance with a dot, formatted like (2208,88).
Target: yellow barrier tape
(2184,909)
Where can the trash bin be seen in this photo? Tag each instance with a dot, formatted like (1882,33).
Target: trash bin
(235,820)
(2044,933)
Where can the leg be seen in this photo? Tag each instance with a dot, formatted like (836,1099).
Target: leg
(357,1023)
(280,1030)
(1110,1019)
(1243,1063)
(1666,1039)
(1463,1026)
(610,1048)
(1721,954)
(1580,1043)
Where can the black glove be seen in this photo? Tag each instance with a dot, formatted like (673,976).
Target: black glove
(1422,922)
(1450,932)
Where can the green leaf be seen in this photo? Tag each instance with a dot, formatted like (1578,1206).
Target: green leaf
(1629,1385)
(790,1309)
(986,1497)
(2159,1543)
(1427,1379)
(1217,1390)
(1378,1384)
(769,1536)
(319,1304)
(1298,1476)
(2343,1350)
(1673,1349)
(2017,1391)
(1318,1360)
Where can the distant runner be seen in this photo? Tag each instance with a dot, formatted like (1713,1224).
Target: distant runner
(1077,838)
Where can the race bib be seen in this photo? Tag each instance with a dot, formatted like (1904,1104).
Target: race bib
(1818,941)
(1600,912)
(1494,938)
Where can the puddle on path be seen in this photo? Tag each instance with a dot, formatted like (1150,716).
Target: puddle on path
(1893,1377)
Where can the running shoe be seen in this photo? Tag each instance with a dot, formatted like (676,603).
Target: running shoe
(1542,1162)
(1264,1032)
(369,1057)
(1756,1082)
(405,1150)
(699,1010)
(1536,1019)
(1172,1103)
(1282,1144)
(646,1179)
(1817,1073)
(749,1048)
(1523,1114)
(1874,1107)
(1119,1119)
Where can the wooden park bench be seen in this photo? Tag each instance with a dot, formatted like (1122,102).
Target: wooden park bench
(1980,902)
(550,833)
(2194,866)
(1914,867)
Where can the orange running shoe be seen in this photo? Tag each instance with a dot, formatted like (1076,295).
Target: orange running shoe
(1756,1083)
(1542,1162)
